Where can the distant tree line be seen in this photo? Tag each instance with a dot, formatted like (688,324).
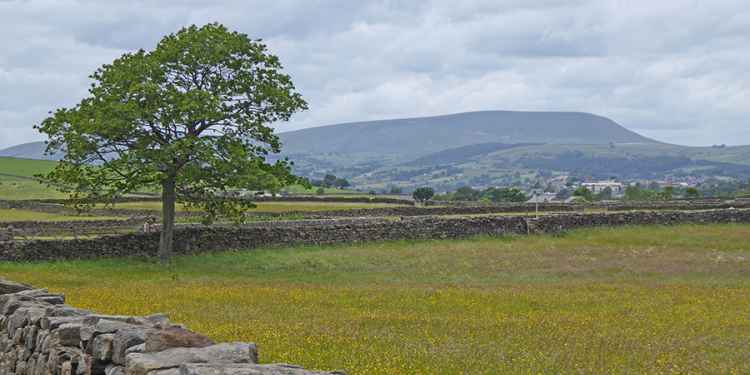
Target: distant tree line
(331,181)
(493,194)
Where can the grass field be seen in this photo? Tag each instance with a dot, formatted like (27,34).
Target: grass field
(14,188)
(25,167)
(269,206)
(657,300)
(7,215)
(17,182)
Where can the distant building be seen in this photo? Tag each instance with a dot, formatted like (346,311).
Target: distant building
(597,187)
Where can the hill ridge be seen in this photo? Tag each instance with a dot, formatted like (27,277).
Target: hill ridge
(418,136)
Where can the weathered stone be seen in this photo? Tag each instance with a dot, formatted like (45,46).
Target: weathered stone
(101,326)
(21,368)
(142,363)
(68,334)
(114,370)
(102,347)
(53,322)
(174,337)
(66,368)
(10,287)
(136,349)
(53,299)
(124,339)
(30,336)
(160,321)
(171,371)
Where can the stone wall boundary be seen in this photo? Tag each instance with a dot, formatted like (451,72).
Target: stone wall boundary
(198,239)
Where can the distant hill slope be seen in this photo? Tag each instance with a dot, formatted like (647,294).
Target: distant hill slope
(491,148)
(413,137)
(24,167)
(421,136)
(33,150)
(463,153)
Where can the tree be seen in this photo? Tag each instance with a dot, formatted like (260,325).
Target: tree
(584,193)
(604,195)
(692,193)
(190,118)
(636,193)
(667,194)
(744,193)
(505,195)
(329,180)
(466,193)
(395,190)
(341,183)
(423,194)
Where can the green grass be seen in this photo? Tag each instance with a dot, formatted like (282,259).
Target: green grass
(25,167)
(299,189)
(17,179)
(13,188)
(274,207)
(8,215)
(618,301)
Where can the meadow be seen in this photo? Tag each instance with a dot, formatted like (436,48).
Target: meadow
(273,207)
(8,215)
(17,179)
(628,300)
(15,188)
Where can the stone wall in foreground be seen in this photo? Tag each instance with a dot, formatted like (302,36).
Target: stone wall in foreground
(40,335)
(190,240)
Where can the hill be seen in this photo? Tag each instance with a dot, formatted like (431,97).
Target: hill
(33,150)
(489,148)
(420,136)
(490,165)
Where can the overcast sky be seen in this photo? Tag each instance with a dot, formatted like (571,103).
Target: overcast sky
(675,70)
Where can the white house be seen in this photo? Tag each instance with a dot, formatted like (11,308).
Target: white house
(597,187)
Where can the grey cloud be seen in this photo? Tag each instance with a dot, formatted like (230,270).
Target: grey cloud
(672,69)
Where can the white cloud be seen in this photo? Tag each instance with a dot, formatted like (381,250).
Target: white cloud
(672,69)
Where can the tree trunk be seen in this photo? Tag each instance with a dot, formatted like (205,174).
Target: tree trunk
(168,197)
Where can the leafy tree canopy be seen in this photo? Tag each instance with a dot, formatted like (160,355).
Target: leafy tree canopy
(505,195)
(584,193)
(423,194)
(190,117)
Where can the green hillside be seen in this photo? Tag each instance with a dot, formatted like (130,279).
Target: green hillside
(488,148)
(25,167)
(17,179)
(413,137)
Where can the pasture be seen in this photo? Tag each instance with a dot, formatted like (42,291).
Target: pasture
(274,207)
(8,215)
(17,179)
(623,300)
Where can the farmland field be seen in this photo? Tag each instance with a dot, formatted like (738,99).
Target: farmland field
(25,167)
(14,188)
(593,301)
(270,206)
(17,179)
(8,215)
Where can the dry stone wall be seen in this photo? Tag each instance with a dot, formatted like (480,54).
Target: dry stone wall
(40,335)
(68,228)
(189,240)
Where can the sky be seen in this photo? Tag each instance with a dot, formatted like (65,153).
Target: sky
(674,70)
